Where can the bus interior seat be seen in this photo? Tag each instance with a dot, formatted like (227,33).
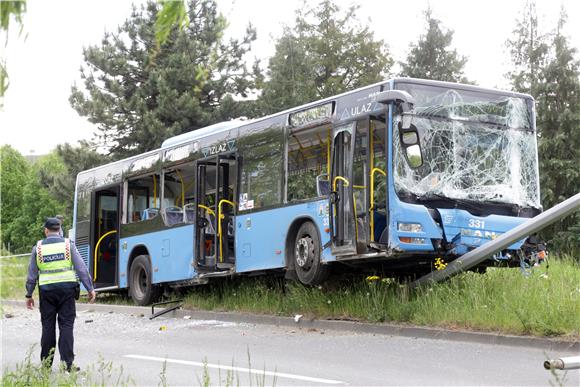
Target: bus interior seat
(189,213)
(173,215)
(322,185)
(149,213)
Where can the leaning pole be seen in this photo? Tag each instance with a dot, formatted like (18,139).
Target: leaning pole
(481,253)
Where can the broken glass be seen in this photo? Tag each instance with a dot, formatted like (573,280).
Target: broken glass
(478,149)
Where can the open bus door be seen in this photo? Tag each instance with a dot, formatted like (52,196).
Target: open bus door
(105,237)
(341,207)
(353,182)
(214,232)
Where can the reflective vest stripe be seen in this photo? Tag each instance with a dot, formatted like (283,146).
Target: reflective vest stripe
(52,271)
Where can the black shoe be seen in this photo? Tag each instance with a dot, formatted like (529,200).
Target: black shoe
(72,368)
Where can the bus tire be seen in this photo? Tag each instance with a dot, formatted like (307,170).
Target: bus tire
(306,255)
(141,290)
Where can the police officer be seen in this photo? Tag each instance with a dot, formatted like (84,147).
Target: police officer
(55,262)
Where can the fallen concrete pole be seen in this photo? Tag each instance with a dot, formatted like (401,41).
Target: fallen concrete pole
(564,363)
(485,251)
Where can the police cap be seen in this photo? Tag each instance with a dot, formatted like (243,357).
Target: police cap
(52,223)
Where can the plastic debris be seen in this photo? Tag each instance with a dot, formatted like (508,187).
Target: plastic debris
(187,317)
(298,317)
(163,328)
(88,321)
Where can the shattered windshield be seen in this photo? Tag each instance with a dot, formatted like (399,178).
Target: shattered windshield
(475,145)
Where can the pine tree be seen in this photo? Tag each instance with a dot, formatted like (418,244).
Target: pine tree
(559,142)
(328,52)
(139,92)
(432,58)
(546,67)
(528,49)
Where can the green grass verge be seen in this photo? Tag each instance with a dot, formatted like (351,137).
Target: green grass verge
(13,277)
(29,373)
(545,303)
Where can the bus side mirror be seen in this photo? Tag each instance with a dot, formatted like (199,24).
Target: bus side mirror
(409,138)
(402,99)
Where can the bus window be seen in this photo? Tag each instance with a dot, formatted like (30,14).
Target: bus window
(307,159)
(261,174)
(143,198)
(178,191)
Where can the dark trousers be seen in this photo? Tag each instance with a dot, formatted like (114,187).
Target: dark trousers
(57,304)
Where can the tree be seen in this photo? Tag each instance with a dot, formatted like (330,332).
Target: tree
(139,93)
(546,67)
(26,203)
(559,143)
(432,58)
(327,53)
(8,8)
(58,173)
(528,49)
(14,173)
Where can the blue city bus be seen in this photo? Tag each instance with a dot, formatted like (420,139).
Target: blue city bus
(389,176)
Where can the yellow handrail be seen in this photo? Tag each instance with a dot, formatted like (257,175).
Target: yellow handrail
(182,187)
(154,192)
(336,178)
(328,153)
(220,217)
(207,209)
(372,206)
(96,250)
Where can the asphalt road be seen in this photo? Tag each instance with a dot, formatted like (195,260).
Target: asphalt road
(276,355)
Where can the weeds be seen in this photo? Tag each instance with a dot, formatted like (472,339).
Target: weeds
(545,303)
(28,373)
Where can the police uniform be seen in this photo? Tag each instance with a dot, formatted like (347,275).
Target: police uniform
(55,262)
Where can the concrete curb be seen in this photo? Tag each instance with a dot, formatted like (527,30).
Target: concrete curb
(349,326)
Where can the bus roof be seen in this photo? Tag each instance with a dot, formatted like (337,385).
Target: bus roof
(228,125)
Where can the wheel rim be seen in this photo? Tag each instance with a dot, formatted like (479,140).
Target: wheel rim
(141,282)
(303,252)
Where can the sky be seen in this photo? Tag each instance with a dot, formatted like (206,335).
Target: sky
(44,60)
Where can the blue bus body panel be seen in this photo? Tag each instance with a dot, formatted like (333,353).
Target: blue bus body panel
(261,236)
(463,228)
(171,253)
(401,212)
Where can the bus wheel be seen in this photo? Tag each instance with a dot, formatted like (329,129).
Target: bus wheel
(309,269)
(142,291)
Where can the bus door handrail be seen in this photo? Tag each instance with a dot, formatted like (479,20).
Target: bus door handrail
(211,212)
(346,184)
(96,250)
(372,206)
(220,217)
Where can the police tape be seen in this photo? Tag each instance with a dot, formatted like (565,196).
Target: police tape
(15,256)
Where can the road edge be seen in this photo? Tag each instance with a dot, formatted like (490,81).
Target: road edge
(339,325)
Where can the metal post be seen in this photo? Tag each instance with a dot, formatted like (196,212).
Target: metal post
(564,363)
(481,253)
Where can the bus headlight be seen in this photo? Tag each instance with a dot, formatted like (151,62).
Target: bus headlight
(410,227)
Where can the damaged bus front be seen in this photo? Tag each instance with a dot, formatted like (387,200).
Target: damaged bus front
(464,171)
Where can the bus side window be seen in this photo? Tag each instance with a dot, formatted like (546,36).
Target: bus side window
(308,163)
(143,199)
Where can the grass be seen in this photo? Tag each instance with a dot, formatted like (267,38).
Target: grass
(28,373)
(13,277)
(104,373)
(545,303)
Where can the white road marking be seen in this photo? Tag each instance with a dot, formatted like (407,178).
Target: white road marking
(237,369)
